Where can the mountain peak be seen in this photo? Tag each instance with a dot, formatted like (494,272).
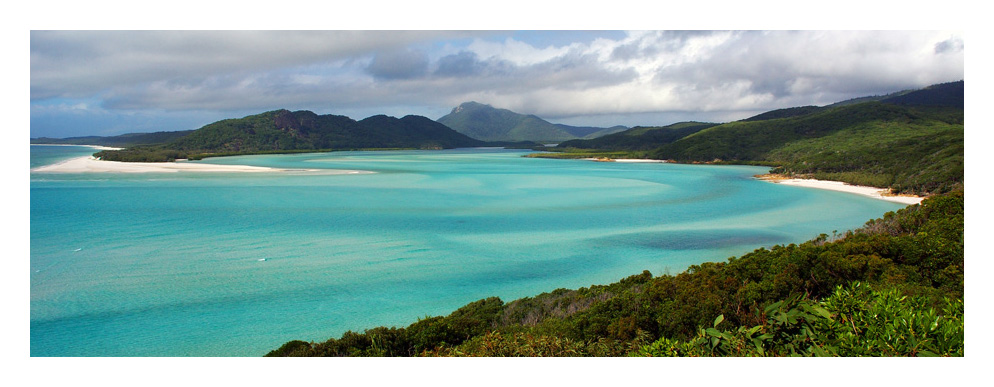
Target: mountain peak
(485,122)
(469,105)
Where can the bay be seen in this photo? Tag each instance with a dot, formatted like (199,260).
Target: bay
(236,264)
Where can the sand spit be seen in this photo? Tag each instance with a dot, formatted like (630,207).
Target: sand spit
(608,159)
(89,164)
(873,192)
(97,147)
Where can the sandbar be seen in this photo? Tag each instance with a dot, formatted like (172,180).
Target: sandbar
(98,147)
(873,192)
(90,164)
(607,159)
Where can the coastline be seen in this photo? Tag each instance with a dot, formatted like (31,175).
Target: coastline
(90,164)
(98,147)
(873,192)
(610,160)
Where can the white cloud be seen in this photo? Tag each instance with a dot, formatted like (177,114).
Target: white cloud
(415,72)
(516,52)
(79,63)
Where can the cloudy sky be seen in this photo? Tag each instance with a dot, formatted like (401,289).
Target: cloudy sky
(113,82)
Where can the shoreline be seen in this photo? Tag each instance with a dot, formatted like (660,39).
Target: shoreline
(90,164)
(98,147)
(610,160)
(873,192)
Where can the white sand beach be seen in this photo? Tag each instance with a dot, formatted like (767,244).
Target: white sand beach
(97,147)
(873,192)
(605,159)
(638,161)
(90,164)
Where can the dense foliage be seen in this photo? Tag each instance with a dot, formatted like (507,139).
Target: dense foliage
(891,288)
(141,154)
(854,321)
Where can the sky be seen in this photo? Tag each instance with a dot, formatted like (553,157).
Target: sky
(109,82)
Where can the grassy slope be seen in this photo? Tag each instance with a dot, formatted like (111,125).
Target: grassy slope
(909,149)
(920,157)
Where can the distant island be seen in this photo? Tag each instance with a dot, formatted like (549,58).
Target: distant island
(283,131)
(485,122)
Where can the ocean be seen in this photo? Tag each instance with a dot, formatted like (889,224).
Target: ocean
(236,264)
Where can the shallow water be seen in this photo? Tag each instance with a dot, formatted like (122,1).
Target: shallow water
(236,264)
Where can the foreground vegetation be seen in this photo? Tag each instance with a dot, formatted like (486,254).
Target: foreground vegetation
(891,288)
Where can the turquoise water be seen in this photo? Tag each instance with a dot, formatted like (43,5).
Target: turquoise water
(236,264)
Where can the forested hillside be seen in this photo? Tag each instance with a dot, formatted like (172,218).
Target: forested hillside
(284,131)
(909,149)
(640,137)
(911,141)
(891,288)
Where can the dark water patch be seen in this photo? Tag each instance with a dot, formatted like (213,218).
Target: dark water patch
(697,240)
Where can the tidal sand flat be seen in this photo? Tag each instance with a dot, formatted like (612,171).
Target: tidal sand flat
(236,264)
(90,164)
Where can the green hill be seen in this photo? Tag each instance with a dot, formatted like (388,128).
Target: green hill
(639,137)
(945,94)
(785,113)
(590,132)
(285,131)
(911,149)
(910,141)
(484,122)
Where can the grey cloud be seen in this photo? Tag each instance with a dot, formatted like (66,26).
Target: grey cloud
(570,71)
(656,43)
(805,67)
(378,71)
(400,64)
(463,64)
(951,45)
(633,51)
(576,70)
(80,63)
